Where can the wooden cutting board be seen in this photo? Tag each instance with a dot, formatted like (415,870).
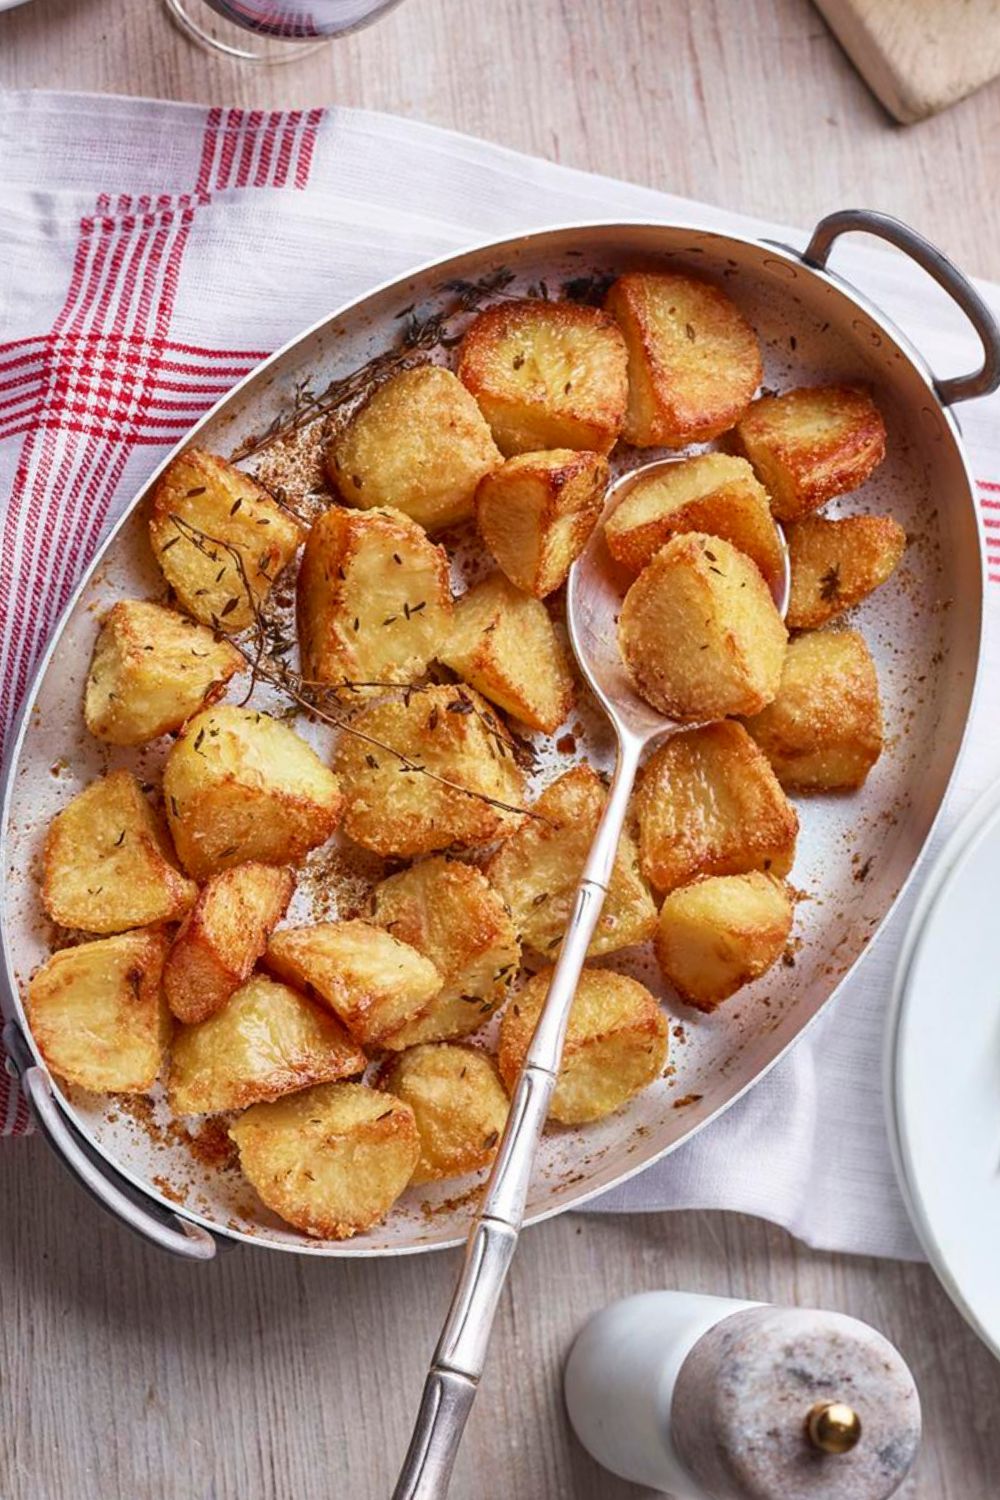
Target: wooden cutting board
(918,56)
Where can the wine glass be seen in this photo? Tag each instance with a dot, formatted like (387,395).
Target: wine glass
(283,29)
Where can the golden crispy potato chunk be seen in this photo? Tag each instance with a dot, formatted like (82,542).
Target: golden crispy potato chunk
(538,869)
(222,937)
(374,600)
(108,865)
(449,912)
(202,511)
(373,982)
(98,1015)
(812,444)
(836,564)
(616,1043)
(537,511)
(693,359)
(419,444)
(504,645)
(712,493)
(332,1160)
(238,786)
(823,732)
(720,933)
(546,375)
(700,633)
(709,804)
(456,735)
(268,1040)
(458,1103)
(152,669)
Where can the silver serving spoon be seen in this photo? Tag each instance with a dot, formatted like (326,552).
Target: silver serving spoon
(593,599)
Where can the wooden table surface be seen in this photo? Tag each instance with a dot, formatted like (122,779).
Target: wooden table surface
(127,1376)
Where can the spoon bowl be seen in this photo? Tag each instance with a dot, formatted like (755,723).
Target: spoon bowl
(594,592)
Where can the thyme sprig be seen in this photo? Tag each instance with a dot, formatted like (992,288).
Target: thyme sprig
(310,696)
(418,336)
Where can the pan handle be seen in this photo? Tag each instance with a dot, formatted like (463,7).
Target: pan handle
(166,1230)
(958,286)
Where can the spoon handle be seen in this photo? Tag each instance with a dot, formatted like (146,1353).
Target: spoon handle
(460,1356)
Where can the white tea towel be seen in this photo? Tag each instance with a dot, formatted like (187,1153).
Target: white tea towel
(151,253)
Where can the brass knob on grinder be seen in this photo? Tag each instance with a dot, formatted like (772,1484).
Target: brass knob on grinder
(833,1427)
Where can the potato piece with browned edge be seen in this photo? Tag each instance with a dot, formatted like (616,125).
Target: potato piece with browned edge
(823,732)
(546,375)
(108,864)
(709,804)
(373,982)
(419,444)
(98,1015)
(700,633)
(456,735)
(693,359)
(812,444)
(449,912)
(720,933)
(538,869)
(458,1103)
(712,493)
(536,513)
(152,669)
(836,564)
(223,936)
(202,511)
(267,1040)
(332,1160)
(504,645)
(616,1043)
(238,786)
(374,600)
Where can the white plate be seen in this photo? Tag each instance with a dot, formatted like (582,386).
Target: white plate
(943,1069)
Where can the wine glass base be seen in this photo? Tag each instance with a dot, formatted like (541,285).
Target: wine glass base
(204,26)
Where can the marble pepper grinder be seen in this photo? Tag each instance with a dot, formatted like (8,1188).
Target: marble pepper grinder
(705,1398)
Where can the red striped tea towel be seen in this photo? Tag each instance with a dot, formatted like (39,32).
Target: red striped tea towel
(151,254)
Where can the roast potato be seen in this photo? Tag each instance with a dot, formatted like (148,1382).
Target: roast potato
(546,375)
(458,1103)
(536,513)
(456,735)
(373,982)
(503,644)
(537,870)
(152,669)
(98,1015)
(108,865)
(419,444)
(201,508)
(709,804)
(823,732)
(721,932)
(693,359)
(700,633)
(332,1159)
(238,786)
(812,444)
(712,493)
(836,564)
(449,912)
(267,1040)
(223,936)
(374,602)
(616,1043)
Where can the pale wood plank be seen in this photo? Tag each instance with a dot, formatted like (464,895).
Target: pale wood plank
(127,1375)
